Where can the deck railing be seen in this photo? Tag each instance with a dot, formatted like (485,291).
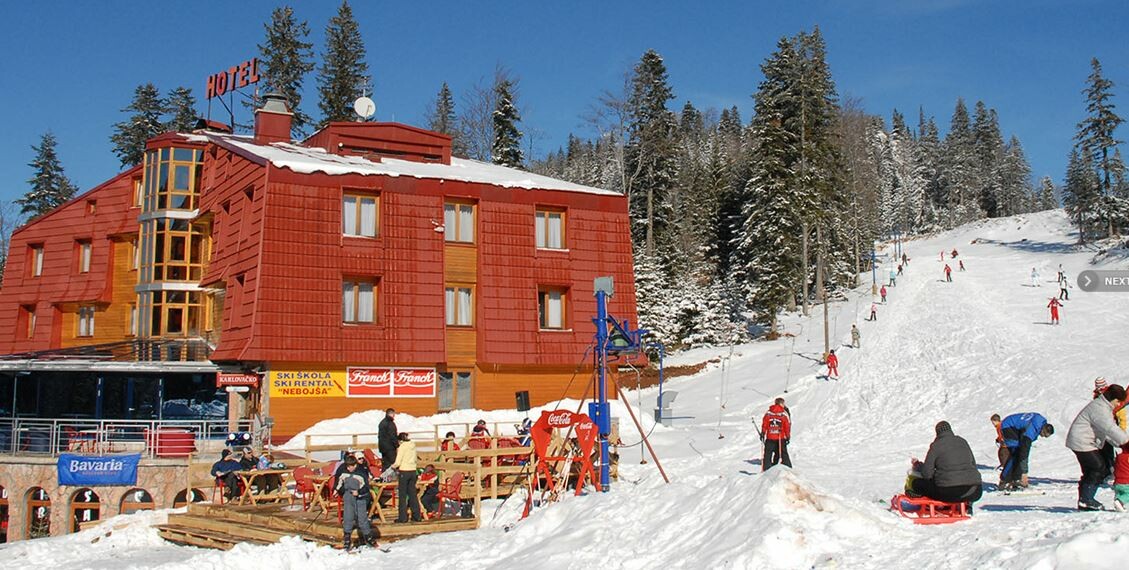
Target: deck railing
(48,437)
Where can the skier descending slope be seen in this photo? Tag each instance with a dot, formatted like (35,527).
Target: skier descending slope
(1035,278)
(1093,427)
(832,365)
(1054,305)
(948,273)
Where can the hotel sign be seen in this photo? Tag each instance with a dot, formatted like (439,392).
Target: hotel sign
(232,78)
(370,382)
(306,383)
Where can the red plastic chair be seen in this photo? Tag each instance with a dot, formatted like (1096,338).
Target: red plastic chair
(303,486)
(450,490)
(373,462)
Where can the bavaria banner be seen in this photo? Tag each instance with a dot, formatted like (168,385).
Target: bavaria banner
(92,470)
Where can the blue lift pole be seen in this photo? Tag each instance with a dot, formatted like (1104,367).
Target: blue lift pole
(599,410)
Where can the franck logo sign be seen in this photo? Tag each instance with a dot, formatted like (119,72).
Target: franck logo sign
(89,471)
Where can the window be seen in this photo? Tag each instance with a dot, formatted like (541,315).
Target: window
(37,260)
(551,308)
(29,317)
(138,192)
(135,253)
(84,248)
(458,222)
(455,390)
(550,229)
(91,207)
(131,326)
(460,305)
(86,321)
(358,301)
(359,214)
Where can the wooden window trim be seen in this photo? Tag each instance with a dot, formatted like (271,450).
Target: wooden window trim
(458,204)
(85,255)
(542,300)
(360,196)
(457,287)
(541,216)
(37,256)
(356,292)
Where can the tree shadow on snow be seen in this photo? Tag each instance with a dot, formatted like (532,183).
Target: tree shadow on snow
(756,462)
(814,359)
(1024,508)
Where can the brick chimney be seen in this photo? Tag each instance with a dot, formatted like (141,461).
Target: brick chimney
(272,120)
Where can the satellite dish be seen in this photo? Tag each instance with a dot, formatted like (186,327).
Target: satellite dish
(364,107)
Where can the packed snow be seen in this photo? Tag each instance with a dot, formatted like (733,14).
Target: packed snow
(956,351)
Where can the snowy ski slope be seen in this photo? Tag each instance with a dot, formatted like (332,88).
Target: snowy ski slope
(958,352)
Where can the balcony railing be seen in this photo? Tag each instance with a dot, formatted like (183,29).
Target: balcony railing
(152,439)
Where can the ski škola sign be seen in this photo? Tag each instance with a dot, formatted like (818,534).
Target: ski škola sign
(358,382)
(93,470)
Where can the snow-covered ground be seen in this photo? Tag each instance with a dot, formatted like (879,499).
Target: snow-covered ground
(956,351)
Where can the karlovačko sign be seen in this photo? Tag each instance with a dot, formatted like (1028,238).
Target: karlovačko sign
(224,379)
(307,383)
(381,382)
(93,470)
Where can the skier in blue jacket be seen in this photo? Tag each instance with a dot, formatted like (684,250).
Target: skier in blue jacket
(1019,432)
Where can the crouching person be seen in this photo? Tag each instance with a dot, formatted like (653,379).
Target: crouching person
(949,471)
(356,495)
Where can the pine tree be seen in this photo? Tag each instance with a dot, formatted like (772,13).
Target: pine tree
(1096,133)
(441,116)
(145,123)
(1015,195)
(182,107)
(286,57)
(767,248)
(1047,200)
(1081,194)
(960,168)
(650,153)
(988,146)
(506,149)
(343,75)
(50,186)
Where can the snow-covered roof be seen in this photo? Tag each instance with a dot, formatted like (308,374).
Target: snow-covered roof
(309,160)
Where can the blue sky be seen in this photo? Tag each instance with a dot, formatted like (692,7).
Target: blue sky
(71,66)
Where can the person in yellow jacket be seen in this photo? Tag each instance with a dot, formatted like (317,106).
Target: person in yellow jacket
(406,464)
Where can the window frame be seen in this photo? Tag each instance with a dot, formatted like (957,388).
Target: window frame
(357,213)
(29,320)
(543,293)
(85,322)
(541,221)
(134,254)
(457,288)
(455,392)
(451,235)
(85,254)
(36,259)
(356,282)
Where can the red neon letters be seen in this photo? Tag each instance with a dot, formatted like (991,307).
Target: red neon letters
(235,77)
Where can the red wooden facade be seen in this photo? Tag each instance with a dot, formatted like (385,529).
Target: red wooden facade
(278,258)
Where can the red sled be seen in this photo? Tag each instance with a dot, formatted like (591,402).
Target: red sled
(923,510)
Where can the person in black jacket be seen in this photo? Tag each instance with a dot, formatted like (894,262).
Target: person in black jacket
(949,471)
(387,439)
(356,496)
(224,471)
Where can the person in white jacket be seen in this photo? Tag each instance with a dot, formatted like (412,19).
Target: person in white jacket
(1094,426)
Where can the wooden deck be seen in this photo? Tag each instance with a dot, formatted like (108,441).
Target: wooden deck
(224,526)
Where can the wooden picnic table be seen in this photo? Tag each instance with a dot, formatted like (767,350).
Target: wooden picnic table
(378,488)
(321,494)
(248,478)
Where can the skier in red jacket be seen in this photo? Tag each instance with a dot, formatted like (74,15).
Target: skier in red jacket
(948,273)
(832,365)
(882,292)
(1054,305)
(776,431)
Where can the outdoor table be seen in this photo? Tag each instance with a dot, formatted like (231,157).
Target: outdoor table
(248,478)
(378,487)
(321,497)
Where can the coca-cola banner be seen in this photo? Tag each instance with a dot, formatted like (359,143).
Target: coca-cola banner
(367,382)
